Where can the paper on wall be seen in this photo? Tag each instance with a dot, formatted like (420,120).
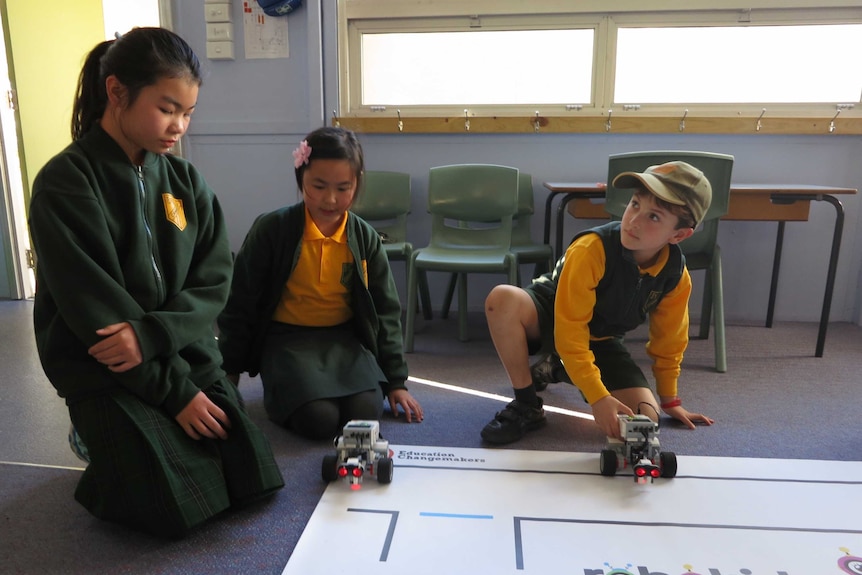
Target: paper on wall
(265,36)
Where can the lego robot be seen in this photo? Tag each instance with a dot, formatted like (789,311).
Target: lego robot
(638,448)
(361,452)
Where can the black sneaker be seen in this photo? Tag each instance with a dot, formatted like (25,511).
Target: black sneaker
(549,369)
(514,422)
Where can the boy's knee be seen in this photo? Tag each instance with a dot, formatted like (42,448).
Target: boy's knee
(500,297)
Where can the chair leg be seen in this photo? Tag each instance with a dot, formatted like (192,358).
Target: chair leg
(514,274)
(718,308)
(462,308)
(450,293)
(410,316)
(543,267)
(424,294)
(425,299)
(706,305)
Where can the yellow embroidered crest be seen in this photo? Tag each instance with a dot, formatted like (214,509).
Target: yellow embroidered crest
(174,211)
(651,301)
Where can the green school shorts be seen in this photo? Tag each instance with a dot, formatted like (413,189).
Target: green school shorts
(615,363)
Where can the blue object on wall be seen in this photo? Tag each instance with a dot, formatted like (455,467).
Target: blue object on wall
(279,7)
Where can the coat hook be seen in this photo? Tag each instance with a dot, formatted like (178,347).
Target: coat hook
(400,123)
(682,121)
(536,124)
(466,121)
(759,123)
(608,122)
(838,109)
(832,122)
(335,120)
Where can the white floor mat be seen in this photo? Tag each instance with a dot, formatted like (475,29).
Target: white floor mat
(483,511)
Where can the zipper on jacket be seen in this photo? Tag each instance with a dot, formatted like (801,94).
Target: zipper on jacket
(157,274)
(636,296)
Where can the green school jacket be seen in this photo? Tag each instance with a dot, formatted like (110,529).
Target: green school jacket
(117,242)
(263,265)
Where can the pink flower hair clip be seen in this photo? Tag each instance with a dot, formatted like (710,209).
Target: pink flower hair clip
(301,154)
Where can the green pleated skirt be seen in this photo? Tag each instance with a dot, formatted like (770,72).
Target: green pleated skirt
(147,473)
(302,364)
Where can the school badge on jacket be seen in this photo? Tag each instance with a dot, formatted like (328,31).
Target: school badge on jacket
(174,211)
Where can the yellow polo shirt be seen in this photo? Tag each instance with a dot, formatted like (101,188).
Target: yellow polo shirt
(316,294)
(574,303)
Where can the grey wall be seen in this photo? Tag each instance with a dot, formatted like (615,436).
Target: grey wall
(252,113)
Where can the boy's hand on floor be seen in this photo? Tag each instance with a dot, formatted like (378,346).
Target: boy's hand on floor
(688,418)
(605,412)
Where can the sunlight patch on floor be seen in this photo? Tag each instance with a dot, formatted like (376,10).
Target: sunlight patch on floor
(495,397)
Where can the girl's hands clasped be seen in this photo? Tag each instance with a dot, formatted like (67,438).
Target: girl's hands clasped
(203,418)
(120,349)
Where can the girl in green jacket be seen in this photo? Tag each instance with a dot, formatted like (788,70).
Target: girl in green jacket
(313,307)
(133,268)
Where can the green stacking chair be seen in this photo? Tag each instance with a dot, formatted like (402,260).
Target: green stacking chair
(527,250)
(523,246)
(384,202)
(701,250)
(472,207)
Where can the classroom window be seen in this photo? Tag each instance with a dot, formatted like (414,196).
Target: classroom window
(781,64)
(439,57)
(476,68)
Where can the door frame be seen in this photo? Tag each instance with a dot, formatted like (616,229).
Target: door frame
(17,260)
(17,254)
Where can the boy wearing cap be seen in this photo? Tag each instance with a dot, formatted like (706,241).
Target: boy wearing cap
(610,280)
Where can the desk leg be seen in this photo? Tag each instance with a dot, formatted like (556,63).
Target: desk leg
(830,274)
(549,201)
(776,265)
(559,250)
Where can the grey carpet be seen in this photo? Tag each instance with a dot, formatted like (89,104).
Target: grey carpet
(776,401)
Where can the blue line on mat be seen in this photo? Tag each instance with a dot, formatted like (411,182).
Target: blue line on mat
(455,515)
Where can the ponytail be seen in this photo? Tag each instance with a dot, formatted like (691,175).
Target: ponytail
(90,96)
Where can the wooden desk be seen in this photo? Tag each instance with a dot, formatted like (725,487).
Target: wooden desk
(790,203)
(581,193)
(748,202)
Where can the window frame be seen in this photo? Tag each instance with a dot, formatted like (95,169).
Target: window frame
(356,17)
(770,17)
(350,86)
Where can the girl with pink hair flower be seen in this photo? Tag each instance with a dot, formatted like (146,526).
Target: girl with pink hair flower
(313,306)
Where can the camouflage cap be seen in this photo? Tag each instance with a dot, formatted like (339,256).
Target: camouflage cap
(678,183)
